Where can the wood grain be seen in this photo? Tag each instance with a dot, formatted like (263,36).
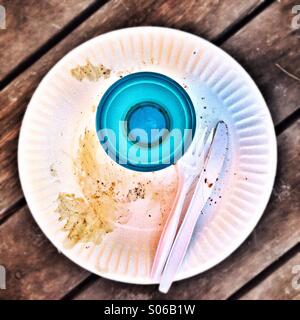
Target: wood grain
(264,45)
(283,284)
(205,18)
(35,269)
(276,233)
(29,24)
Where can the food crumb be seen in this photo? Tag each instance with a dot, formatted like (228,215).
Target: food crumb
(90,72)
(53,172)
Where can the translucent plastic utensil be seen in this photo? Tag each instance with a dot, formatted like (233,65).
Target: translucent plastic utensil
(205,185)
(188,167)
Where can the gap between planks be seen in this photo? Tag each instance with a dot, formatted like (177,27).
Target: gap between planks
(19,204)
(287,122)
(85,14)
(51,42)
(275,265)
(84,284)
(230,31)
(241,23)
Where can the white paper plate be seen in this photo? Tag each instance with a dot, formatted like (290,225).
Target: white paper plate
(61,108)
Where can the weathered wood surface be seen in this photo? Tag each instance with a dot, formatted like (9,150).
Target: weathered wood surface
(115,14)
(265,45)
(29,24)
(283,284)
(35,269)
(276,233)
(14,99)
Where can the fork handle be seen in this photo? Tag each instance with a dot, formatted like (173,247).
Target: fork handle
(170,228)
(181,243)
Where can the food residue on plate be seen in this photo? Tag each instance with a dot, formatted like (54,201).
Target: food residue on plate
(53,171)
(106,190)
(90,72)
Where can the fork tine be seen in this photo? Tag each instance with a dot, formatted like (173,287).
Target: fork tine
(200,142)
(208,142)
(197,141)
(199,156)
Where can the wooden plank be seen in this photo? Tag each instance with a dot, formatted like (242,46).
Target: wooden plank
(34,268)
(30,24)
(266,47)
(202,287)
(196,16)
(283,284)
(276,233)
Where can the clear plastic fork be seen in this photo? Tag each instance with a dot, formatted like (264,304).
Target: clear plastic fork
(188,167)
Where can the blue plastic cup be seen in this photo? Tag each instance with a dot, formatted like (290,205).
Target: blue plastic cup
(145,121)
